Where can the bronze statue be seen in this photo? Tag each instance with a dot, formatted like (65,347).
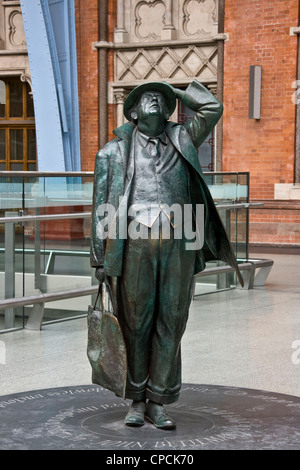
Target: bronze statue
(151,166)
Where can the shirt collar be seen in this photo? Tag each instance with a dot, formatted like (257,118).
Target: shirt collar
(144,139)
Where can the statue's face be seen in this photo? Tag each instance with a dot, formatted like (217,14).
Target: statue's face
(152,103)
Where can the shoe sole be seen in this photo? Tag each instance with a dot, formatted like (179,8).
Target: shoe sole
(167,427)
(135,425)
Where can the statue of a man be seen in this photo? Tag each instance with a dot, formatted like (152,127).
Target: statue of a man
(151,166)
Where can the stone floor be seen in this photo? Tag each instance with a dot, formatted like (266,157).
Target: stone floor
(240,338)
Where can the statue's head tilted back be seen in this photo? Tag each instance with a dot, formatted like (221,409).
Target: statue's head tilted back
(162,88)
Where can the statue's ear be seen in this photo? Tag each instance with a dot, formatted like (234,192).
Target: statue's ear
(167,116)
(133,115)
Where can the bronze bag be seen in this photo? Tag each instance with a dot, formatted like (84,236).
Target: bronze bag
(106,349)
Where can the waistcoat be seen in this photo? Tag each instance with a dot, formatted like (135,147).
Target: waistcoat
(160,180)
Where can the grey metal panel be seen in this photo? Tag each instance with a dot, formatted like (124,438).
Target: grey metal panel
(255,91)
(47,116)
(59,18)
(9,269)
(55,39)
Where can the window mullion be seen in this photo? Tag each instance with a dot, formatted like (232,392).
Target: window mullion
(25,149)
(8,148)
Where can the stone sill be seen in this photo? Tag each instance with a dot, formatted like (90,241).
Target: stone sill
(13,52)
(160,43)
(276,248)
(277,204)
(287,191)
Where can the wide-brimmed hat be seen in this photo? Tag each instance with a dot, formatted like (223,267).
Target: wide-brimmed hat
(162,87)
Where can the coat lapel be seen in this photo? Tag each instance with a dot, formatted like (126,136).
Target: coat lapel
(125,133)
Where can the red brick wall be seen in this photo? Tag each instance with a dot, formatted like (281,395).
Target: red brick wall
(112,22)
(277,226)
(259,34)
(86,34)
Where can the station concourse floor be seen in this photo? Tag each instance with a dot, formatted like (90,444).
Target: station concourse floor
(241,338)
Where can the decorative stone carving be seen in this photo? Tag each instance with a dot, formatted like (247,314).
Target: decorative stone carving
(16,29)
(199,17)
(25,77)
(120,95)
(181,63)
(171,40)
(165,20)
(213,89)
(9,70)
(149,19)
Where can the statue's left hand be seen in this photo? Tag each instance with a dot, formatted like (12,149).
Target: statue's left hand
(179,93)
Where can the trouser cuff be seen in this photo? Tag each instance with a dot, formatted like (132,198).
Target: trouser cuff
(137,396)
(162,399)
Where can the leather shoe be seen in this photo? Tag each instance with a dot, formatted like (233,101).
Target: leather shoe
(136,414)
(157,415)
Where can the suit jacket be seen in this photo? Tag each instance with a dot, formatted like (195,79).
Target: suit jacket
(113,177)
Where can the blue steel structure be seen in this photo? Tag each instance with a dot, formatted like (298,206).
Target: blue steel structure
(51,43)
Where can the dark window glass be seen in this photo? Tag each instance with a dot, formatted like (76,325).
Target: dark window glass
(31,144)
(16,144)
(30,110)
(2,145)
(16,167)
(31,166)
(16,98)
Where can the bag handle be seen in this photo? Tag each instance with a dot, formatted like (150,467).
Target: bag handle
(103,290)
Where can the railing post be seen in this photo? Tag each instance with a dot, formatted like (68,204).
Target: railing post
(36,315)
(223,279)
(9,269)
(37,251)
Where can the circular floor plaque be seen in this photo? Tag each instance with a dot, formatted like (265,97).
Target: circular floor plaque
(208,417)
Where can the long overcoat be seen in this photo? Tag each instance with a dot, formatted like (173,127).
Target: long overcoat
(112,184)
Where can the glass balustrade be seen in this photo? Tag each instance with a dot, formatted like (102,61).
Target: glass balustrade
(45,229)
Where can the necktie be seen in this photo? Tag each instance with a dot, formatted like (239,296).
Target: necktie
(154,147)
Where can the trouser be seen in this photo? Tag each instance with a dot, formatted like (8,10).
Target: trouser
(154,295)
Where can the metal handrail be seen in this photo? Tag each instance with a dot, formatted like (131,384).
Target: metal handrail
(37,174)
(27,174)
(238,205)
(81,292)
(34,218)
(48,297)
(86,215)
